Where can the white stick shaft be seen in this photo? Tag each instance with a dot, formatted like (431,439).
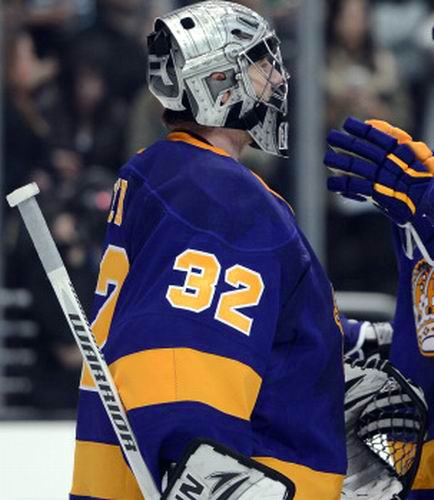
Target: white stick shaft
(59,278)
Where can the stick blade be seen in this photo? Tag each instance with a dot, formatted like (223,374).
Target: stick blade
(22,194)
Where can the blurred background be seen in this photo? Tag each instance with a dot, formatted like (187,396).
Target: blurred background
(74,106)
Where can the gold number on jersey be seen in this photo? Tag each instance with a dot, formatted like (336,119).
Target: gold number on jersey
(114,268)
(117,207)
(197,292)
(249,286)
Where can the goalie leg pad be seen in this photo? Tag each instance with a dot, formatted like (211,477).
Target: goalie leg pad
(210,471)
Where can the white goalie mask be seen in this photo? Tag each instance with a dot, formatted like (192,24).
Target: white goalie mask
(190,44)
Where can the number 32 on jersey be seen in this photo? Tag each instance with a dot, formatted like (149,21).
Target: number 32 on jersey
(197,293)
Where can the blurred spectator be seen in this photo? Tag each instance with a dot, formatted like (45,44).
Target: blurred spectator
(26,130)
(87,121)
(398,26)
(126,16)
(76,223)
(361,78)
(51,22)
(74,199)
(115,44)
(395,26)
(425,115)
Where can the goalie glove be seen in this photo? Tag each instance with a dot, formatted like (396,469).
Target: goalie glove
(378,162)
(210,471)
(385,418)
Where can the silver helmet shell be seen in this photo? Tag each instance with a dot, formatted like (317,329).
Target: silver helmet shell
(191,43)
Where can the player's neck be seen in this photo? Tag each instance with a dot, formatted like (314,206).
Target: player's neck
(230,140)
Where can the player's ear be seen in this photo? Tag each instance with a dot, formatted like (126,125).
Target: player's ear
(220,76)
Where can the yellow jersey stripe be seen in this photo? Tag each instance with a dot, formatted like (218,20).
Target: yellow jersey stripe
(395,194)
(425,475)
(310,484)
(86,380)
(186,137)
(184,375)
(100,471)
(403,166)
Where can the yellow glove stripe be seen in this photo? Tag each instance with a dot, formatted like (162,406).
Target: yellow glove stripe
(423,154)
(380,188)
(403,166)
(400,135)
(429,164)
(421,150)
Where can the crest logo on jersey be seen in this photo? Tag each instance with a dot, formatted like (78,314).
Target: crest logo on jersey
(423,306)
(336,313)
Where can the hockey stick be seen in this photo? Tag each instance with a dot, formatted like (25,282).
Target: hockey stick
(24,199)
